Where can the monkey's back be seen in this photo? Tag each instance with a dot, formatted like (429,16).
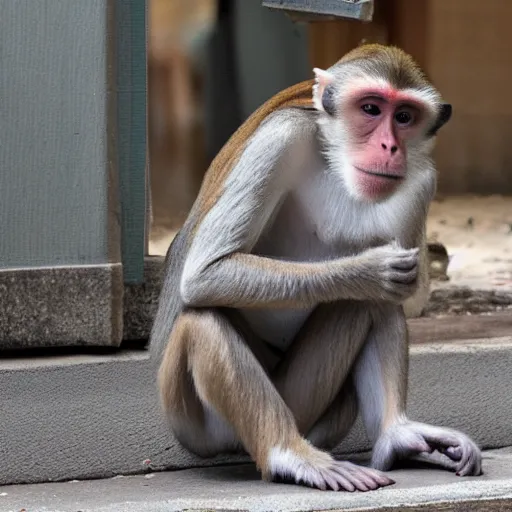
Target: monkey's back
(170,303)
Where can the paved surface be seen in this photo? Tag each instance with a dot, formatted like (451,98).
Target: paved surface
(240,488)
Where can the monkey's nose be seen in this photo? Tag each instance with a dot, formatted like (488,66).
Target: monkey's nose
(393,148)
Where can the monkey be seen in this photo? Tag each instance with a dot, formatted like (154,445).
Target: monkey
(282,312)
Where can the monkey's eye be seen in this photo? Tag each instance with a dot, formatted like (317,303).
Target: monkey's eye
(371,109)
(403,117)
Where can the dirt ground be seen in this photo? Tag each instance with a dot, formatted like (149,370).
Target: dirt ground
(477,232)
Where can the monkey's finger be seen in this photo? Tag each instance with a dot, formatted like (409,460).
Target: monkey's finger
(478,467)
(370,478)
(315,481)
(436,458)
(310,478)
(404,266)
(453,452)
(360,485)
(331,482)
(344,483)
(421,447)
(470,463)
(470,468)
(354,480)
(346,472)
(370,472)
(443,442)
(451,445)
(405,259)
(366,480)
(406,277)
(378,476)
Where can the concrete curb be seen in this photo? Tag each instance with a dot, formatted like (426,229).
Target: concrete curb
(97,416)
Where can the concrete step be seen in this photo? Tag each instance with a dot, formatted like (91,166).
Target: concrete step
(81,417)
(239,488)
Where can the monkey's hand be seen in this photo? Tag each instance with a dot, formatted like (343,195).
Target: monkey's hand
(388,273)
(448,448)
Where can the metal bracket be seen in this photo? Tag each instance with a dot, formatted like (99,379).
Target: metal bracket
(314,10)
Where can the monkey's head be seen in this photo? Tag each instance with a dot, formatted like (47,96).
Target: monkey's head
(379,116)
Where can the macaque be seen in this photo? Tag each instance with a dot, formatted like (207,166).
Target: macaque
(282,312)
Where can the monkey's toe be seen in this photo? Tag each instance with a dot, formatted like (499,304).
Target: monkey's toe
(338,476)
(362,478)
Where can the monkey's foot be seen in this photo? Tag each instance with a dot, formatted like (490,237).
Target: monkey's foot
(441,446)
(318,469)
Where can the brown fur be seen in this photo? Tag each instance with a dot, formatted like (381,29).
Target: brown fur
(296,96)
(315,358)
(398,67)
(207,344)
(207,353)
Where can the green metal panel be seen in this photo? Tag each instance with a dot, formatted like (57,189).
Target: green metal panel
(54,122)
(131,130)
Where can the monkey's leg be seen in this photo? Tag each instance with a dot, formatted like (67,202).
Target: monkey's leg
(198,429)
(338,419)
(381,382)
(231,384)
(312,378)
(320,359)
(328,432)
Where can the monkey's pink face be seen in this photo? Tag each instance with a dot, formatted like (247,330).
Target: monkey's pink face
(382,121)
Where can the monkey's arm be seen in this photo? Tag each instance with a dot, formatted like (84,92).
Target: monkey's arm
(219,269)
(414,306)
(381,380)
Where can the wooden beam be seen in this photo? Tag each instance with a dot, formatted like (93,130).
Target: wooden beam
(464,327)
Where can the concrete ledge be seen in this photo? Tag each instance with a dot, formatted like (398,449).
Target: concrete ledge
(240,488)
(61,306)
(141,301)
(97,416)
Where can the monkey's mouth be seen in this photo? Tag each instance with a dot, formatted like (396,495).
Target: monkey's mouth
(381,174)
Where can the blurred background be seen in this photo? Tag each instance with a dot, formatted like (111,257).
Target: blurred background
(212,62)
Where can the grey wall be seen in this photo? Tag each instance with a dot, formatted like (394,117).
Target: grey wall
(252,53)
(271,53)
(53,125)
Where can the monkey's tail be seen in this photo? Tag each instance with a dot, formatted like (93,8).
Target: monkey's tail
(170,303)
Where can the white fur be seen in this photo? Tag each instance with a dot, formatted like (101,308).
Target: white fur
(219,431)
(286,463)
(323,220)
(322,79)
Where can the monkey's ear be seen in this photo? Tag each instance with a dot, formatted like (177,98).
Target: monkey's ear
(323,91)
(445,113)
